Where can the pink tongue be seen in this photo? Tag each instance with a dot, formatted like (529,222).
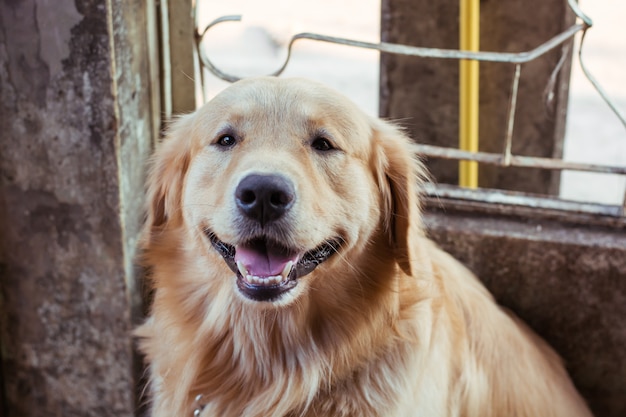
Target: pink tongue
(263,263)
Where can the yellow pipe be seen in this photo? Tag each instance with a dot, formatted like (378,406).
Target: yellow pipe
(469,30)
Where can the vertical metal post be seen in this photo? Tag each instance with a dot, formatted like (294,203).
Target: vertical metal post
(469,40)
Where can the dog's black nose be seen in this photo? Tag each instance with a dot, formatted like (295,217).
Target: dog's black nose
(264,198)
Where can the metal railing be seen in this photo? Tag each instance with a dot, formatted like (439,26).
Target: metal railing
(503,159)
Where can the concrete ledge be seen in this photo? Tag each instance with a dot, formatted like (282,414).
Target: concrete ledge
(564,275)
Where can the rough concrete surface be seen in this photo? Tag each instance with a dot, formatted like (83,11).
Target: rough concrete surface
(74,135)
(565,279)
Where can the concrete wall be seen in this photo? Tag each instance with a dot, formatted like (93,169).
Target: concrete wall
(75,130)
(423,93)
(564,275)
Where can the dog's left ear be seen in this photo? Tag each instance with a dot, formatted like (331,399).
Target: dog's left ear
(399,174)
(166,176)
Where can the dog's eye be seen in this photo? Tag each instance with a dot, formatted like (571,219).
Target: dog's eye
(226,141)
(322,144)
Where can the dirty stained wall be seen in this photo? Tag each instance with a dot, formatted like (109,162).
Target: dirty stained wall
(75,130)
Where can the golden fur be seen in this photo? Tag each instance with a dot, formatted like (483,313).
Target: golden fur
(389,326)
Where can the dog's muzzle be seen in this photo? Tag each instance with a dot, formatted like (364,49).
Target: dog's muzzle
(266,268)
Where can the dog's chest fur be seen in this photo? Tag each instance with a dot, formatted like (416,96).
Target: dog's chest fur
(252,363)
(292,381)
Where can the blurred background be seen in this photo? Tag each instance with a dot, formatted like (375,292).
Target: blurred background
(258,45)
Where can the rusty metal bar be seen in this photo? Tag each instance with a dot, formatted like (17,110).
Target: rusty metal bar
(511,117)
(573,5)
(507,57)
(515,58)
(516,160)
(511,198)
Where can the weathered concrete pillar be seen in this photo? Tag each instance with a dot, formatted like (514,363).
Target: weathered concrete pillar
(75,130)
(423,93)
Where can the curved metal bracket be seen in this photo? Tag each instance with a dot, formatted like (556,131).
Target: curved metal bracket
(505,57)
(517,59)
(513,58)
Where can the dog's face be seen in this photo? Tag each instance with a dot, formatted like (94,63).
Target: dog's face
(279,180)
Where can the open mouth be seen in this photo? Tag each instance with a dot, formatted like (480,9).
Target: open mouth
(266,269)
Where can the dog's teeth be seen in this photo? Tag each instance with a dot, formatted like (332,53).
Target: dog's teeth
(286,270)
(242,269)
(272,280)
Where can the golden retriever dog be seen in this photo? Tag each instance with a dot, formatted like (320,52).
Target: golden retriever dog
(292,275)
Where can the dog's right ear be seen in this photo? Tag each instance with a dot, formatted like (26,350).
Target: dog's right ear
(166,175)
(399,174)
